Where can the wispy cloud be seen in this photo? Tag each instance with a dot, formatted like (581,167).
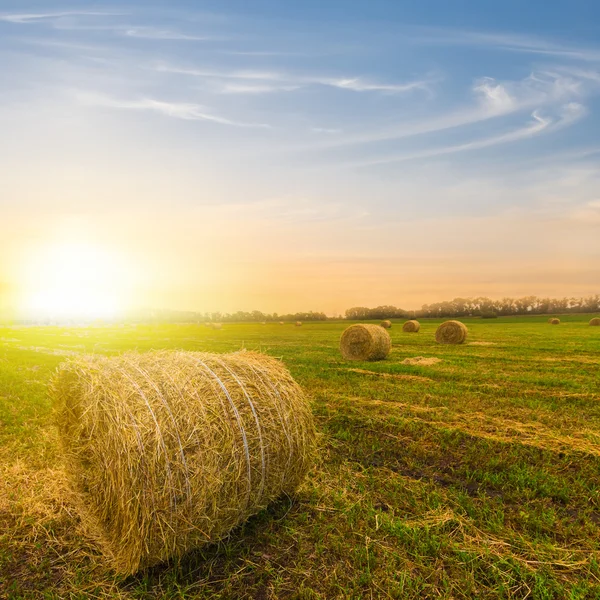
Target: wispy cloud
(491,99)
(153,33)
(505,41)
(28,18)
(356,84)
(325,130)
(570,113)
(253,88)
(177,110)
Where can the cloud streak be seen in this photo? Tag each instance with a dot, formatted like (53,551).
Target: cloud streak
(176,110)
(288,81)
(570,114)
(505,41)
(492,99)
(29,18)
(152,33)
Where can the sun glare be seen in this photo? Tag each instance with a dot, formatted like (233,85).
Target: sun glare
(73,281)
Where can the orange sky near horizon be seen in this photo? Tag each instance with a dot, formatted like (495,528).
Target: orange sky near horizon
(255,263)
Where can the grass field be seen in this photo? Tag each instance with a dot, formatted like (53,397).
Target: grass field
(476,477)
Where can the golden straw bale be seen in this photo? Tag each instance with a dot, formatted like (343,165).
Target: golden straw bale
(451,332)
(411,326)
(365,342)
(554,321)
(168,451)
(298,323)
(386,324)
(595,322)
(281,323)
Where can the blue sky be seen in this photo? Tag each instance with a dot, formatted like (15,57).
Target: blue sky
(330,143)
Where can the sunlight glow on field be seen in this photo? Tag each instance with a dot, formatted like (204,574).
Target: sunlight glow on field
(73,280)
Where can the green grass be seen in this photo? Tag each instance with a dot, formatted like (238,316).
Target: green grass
(476,477)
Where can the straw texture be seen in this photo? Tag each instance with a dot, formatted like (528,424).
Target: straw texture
(451,332)
(365,342)
(411,326)
(168,451)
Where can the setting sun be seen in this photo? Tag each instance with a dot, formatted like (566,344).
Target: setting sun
(74,280)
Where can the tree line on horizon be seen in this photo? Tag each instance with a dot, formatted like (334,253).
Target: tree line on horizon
(459,307)
(481,307)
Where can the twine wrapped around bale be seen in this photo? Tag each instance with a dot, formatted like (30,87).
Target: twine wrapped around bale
(451,332)
(386,324)
(168,451)
(595,322)
(365,342)
(554,321)
(411,326)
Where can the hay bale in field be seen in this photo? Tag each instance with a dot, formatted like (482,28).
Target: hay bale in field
(298,323)
(217,325)
(451,332)
(281,323)
(411,326)
(595,322)
(386,324)
(365,342)
(168,451)
(554,321)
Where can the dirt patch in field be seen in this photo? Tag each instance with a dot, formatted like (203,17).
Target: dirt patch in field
(389,375)
(424,361)
(481,343)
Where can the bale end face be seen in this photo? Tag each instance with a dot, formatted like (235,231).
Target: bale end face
(451,332)
(168,451)
(365,342)
(411,326)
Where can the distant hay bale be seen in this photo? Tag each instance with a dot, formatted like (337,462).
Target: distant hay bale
(386,324)
(595,322)
(168,451)
(365,342)
(298,323)
(411,326)
(451,332)
(281,323)
(554,321)
(217,325)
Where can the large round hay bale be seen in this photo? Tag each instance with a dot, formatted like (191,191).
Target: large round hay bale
(281,323)
(386,324)
(595,322)
(365,342)
(168,451)
(298,323)
(554,321)
(411,326)
(451,332)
